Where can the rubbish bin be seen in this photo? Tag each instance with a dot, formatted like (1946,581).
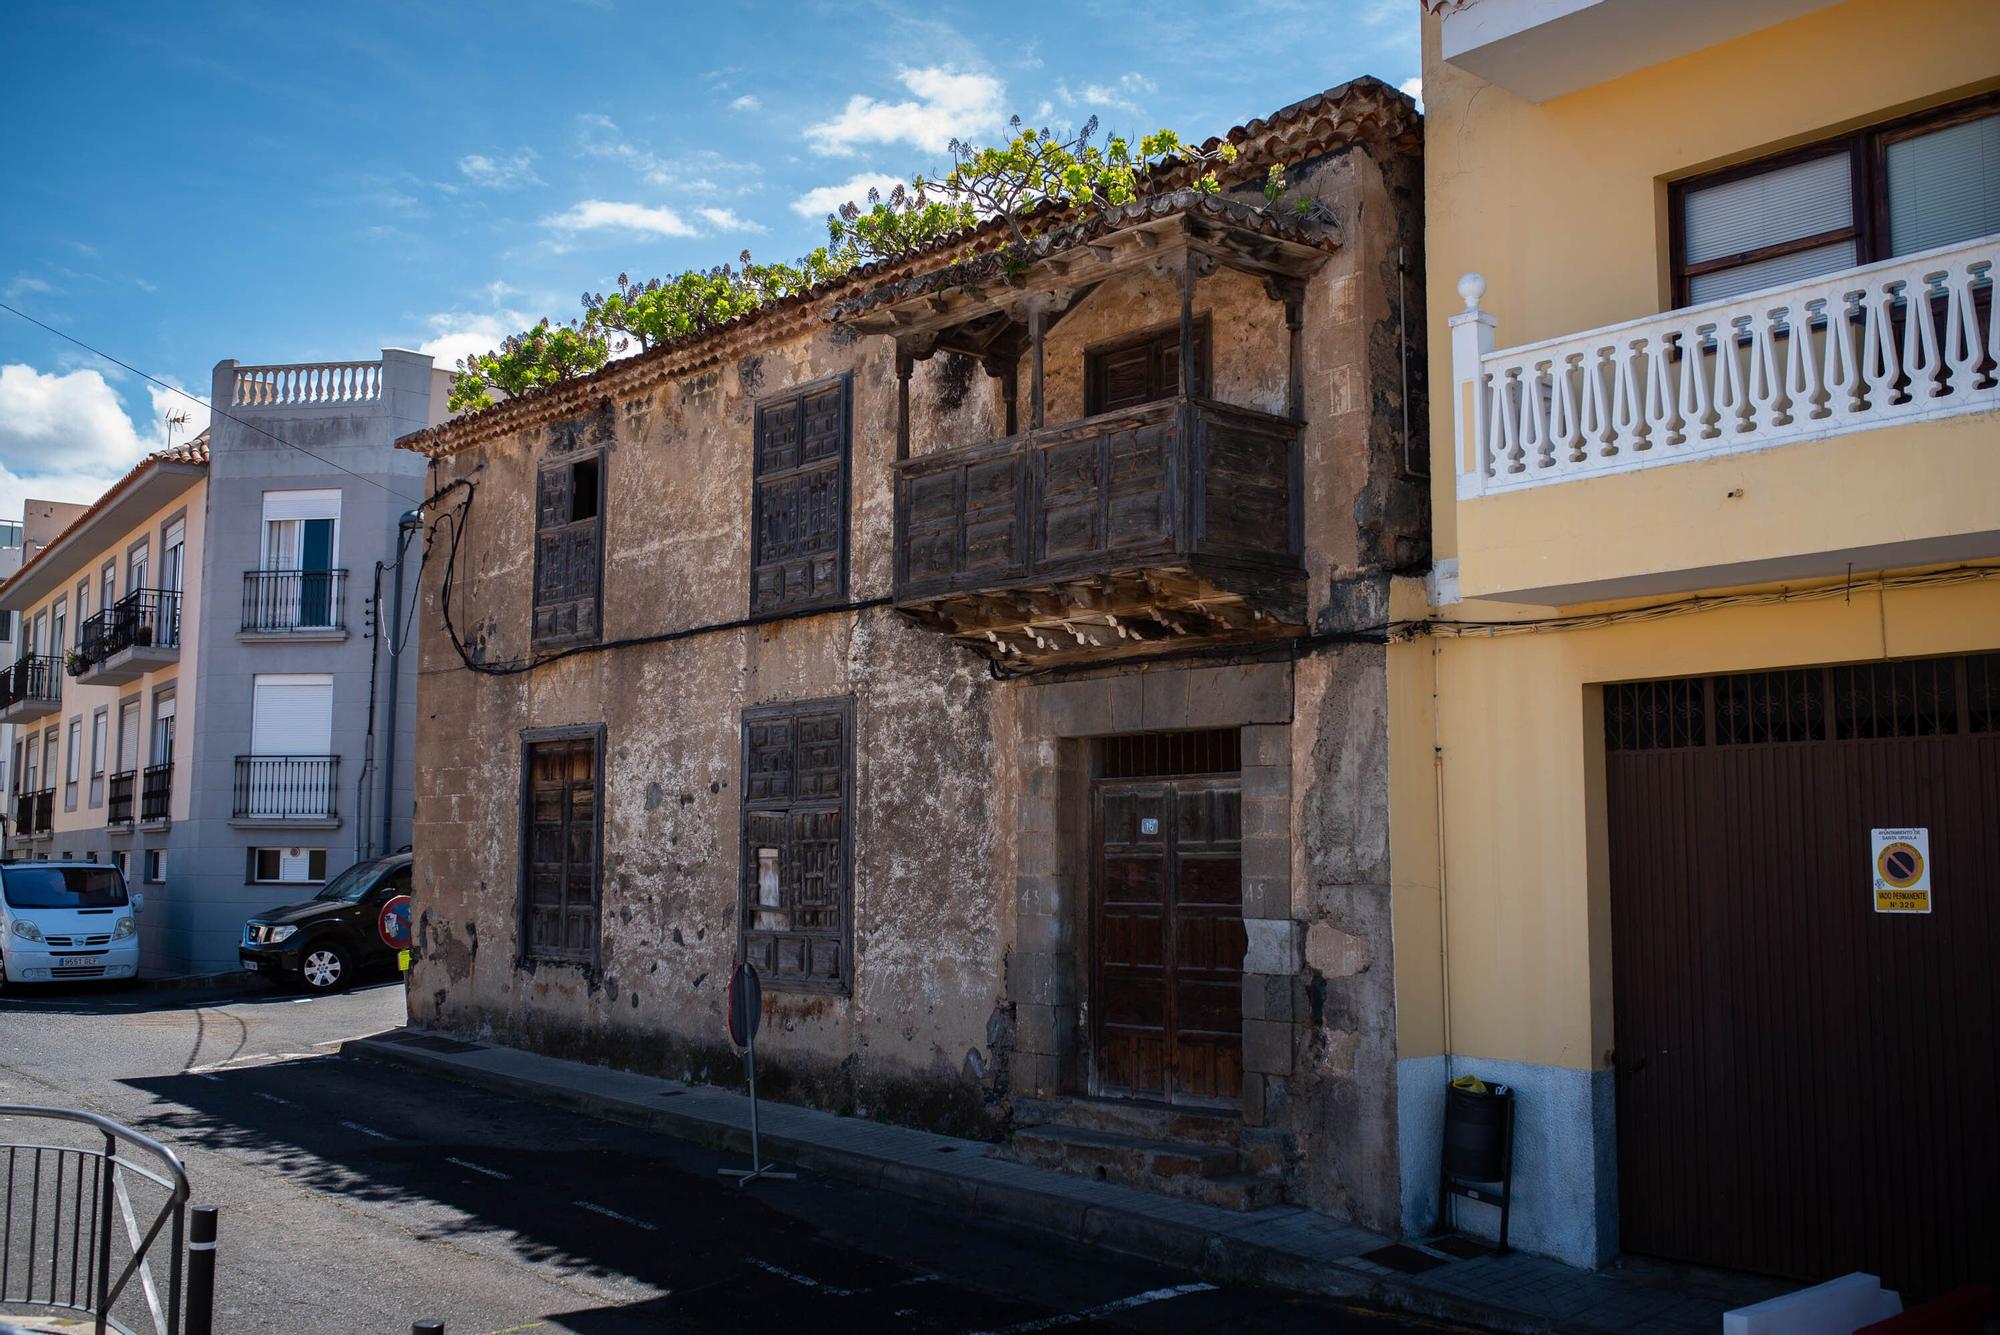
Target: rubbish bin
(1478,1151)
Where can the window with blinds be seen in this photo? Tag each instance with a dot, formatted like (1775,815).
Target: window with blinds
(1906,186)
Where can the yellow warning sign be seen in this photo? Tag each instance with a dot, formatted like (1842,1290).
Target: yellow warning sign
(1901,870)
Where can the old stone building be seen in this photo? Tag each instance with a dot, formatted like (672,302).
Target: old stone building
(1022,717)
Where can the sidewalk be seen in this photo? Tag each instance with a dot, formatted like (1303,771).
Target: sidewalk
(1283,1245)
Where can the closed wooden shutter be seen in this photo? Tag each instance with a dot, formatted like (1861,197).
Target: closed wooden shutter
(568,552)
(559,891)
(1142,370)
(803,444)
(796,860)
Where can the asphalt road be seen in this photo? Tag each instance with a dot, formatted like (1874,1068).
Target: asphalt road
(356,1197)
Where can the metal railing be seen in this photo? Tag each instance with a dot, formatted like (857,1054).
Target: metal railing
(156,792)
(72,1237)
(118,803)
(35,813)
(146,617)
(31,677)
(279,787)
(282,600)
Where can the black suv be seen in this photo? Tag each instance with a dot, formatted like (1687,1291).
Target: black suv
(326,940)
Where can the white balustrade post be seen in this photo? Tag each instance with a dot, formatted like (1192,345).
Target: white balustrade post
(1472,338)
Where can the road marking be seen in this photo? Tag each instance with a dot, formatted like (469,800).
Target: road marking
(1107,1309)
(479,1168)
(796,1278)
(367,1130)
(270,1098)
(610,1213)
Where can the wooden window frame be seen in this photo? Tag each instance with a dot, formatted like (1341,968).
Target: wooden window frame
(530,738)
(1868,172)
(552,464)
(746,904)
(1168,333)
(795,397)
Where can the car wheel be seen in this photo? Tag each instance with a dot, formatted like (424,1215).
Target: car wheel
(325,967)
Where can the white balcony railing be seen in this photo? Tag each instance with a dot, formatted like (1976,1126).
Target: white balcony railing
(1904,340)
(307,385)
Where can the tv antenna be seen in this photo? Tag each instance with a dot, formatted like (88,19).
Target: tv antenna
(179,419)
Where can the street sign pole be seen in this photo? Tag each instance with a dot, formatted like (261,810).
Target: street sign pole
(746,1013)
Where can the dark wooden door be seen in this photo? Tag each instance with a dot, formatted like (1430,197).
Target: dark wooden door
(1168,941)
(1807,1087)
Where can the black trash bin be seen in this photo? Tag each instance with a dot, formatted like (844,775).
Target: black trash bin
(1478,1153)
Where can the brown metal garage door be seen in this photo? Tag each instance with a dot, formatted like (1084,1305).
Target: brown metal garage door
(1805,1086)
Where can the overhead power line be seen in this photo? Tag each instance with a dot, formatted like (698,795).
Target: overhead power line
(214,409)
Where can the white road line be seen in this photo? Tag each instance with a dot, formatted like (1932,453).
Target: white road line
(479,1168)
(610,1213)
(270,1098)
(1092,1313)
(367,1130)
(807,1280)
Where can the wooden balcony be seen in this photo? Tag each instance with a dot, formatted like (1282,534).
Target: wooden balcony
(1160,526)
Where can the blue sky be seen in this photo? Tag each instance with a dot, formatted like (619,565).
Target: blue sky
(315,182)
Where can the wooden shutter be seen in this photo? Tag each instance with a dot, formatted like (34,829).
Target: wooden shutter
(803,445)
(559,880)
(568,555)
(1142,369)
(797,775)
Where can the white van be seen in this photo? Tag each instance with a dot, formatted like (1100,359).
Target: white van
(63,920)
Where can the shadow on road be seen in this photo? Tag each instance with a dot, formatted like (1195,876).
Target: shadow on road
(114,998)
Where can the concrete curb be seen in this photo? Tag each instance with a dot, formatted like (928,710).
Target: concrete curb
(1214,1256)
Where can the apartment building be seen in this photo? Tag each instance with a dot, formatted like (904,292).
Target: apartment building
(1716,649)
(202,697)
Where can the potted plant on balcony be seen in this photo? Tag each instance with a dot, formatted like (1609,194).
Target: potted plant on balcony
(76,663)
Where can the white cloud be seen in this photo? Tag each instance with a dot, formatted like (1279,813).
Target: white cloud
(694,173)
(947,105)
(456,335)
(66,437)
(1119,96)
(500,173)
(1414,86)
(729,220)
(610,215)
(827,198)
(24,283)
(747,102)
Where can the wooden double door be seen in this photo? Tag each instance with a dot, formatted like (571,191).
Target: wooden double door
(1168,941)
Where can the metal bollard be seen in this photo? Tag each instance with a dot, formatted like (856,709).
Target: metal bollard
(429,1326)
(201,1270)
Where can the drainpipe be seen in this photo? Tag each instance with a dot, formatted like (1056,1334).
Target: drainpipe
(406,529)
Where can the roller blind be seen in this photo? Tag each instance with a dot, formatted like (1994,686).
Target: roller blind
(292,715)
(128,736)
(1944,186)
(302,504)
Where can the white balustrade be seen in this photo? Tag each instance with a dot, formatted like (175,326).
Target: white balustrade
(311,384)
(1905,340)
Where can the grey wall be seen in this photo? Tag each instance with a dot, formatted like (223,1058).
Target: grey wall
(207,895)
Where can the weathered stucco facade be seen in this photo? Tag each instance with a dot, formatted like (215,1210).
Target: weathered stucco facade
(968,991)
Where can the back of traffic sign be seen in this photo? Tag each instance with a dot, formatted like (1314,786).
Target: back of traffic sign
(746,1004)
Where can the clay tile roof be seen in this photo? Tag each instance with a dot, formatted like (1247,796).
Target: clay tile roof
(191,452)
(1363,110)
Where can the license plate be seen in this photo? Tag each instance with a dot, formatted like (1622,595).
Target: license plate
(77,961)
(251,965)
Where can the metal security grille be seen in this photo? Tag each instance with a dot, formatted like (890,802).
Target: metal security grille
(1148,755)
(1919,697)
(1805,1086)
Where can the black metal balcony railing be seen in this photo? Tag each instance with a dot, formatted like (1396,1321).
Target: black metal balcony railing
(146,617)
(156,792)
(282,600)
(287,787)
(118,804)
(31,677)
(35,813)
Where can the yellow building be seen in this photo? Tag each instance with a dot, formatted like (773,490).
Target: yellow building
(1706,740)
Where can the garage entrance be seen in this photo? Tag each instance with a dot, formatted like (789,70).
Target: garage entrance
(1806,1086)
(1168,938)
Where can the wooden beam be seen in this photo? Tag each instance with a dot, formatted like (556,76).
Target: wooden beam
(905,364)
(1035,330)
